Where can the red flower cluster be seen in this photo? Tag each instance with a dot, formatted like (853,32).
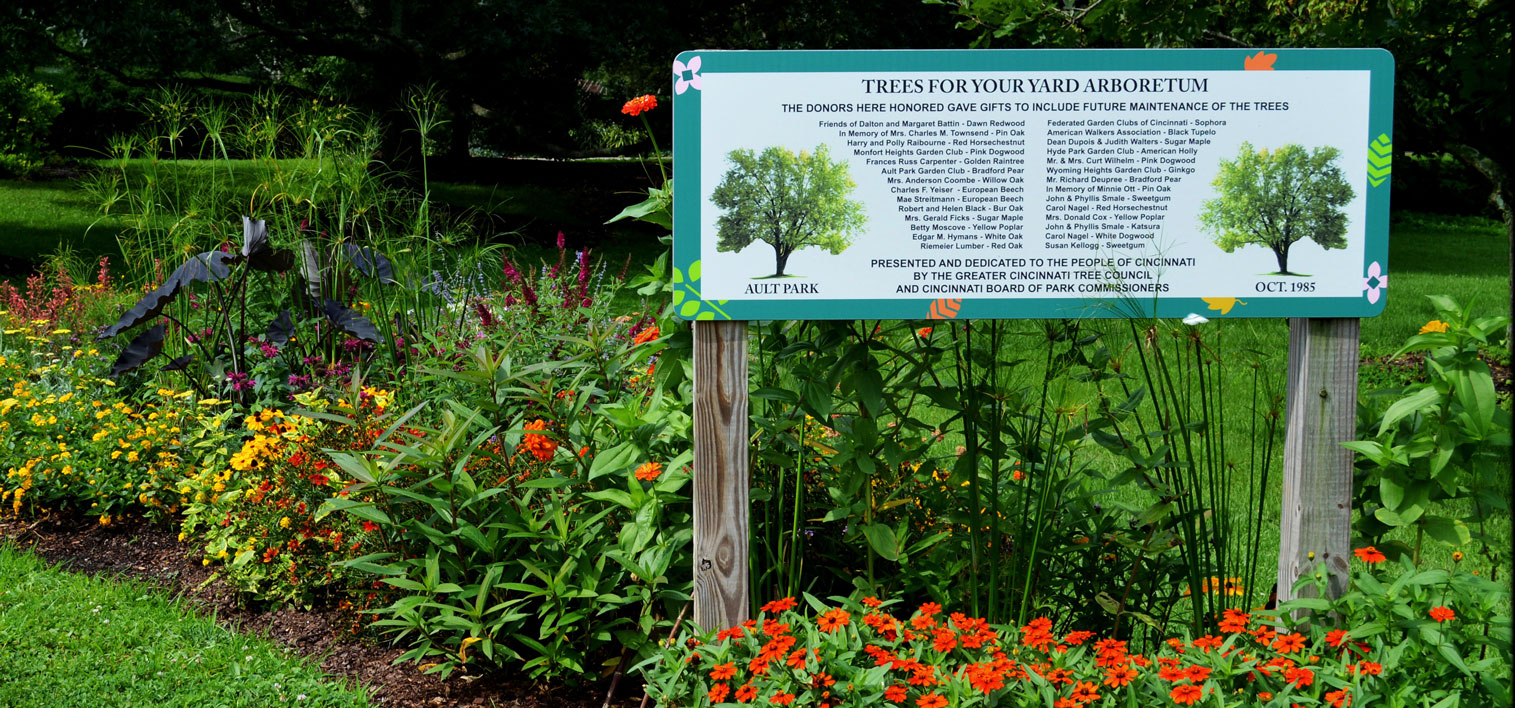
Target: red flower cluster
(639,105)
(929,658)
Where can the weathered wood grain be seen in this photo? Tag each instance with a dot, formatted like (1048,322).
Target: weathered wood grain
(720,474)
(1316,512)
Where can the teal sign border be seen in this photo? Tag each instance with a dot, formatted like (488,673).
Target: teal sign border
(688,180)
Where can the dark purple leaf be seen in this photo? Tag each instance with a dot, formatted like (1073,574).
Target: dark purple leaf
(207,267)
(280,329)
(143,348)
(179,364)
(370,262)
(348,321)
(259,254)
(310,269)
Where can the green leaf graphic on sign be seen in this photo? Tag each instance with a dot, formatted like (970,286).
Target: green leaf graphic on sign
(686,296)
(1380,151)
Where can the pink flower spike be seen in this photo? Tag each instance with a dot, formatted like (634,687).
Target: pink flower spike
(1376,282)
(686,75)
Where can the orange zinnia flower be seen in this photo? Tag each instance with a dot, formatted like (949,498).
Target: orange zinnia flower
(1442,614)
(1299,676)
(1085,692)
(1338,699)
(645,335)
(780,605)
(923,332)
(1369,555)
(1336,636)
(718,693)
(896,693)
(1289,643)
(639,105)
(1186,694)
(1117,676)
(723,671)
(833,620)
(868,602)
(1235,621)
(649,471)
(540,446)
(931,608)
(1057,676)
(781,699)
(746,693)
(931,700)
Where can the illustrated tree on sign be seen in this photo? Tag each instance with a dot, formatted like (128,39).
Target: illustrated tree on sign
(1275,198)
(788,201)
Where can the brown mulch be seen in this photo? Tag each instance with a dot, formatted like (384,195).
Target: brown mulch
(1412,366)
(153,554)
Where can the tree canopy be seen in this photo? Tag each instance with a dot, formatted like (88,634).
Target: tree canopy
(789,201)
(1273,198)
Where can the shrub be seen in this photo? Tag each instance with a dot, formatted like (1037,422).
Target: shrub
(27,110)
(255,509)
(72,445)
(1443,439)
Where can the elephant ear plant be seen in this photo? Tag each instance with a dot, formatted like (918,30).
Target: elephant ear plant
(230,347)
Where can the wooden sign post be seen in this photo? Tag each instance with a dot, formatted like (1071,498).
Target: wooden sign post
(1321,414)
(1026,184)
(720,473)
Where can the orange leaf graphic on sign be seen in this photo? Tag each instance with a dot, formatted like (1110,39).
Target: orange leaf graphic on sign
(1262,61)
(945,309)
(1224,304)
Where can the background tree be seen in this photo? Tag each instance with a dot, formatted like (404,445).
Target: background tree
(1275,198)
(788,201)
(1453,61)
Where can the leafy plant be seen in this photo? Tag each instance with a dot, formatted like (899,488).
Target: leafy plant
(1437,440)
(221,341)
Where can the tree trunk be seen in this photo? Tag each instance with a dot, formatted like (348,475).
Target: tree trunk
(781,260)
(1283,260)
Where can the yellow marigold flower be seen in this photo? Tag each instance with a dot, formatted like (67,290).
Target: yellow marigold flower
(1434,326)
(284,522)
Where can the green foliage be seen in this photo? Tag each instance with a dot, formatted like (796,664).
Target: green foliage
(788,201)
(1437,440)
(1273,198)
(1441,638)
(109,642)
(539,521)
(27,110)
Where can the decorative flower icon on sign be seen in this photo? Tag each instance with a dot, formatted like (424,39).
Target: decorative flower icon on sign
(686,75)
(1376,282)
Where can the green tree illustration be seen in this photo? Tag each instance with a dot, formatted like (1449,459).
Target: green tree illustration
(1274,198)
(788,201)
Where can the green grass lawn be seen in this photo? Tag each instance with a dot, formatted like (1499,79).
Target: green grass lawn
(74,640)
(36,218)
